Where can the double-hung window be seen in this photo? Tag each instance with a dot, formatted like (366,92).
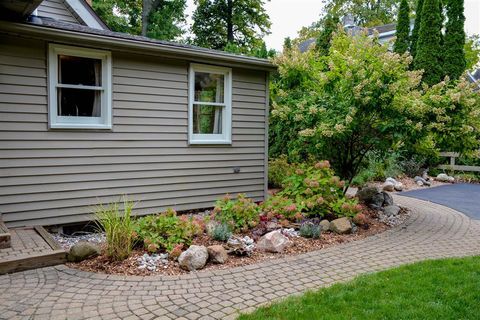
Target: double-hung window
(79,88)
(210,105)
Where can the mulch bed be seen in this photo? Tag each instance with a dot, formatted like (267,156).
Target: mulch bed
(300,245)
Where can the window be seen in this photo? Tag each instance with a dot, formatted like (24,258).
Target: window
(210,105)
(79,88)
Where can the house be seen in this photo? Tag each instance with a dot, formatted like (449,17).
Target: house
(87,115)
(386,32)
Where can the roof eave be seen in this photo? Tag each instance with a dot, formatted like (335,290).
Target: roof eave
(164,49)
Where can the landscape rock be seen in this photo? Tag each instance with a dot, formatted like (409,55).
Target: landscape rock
(273,241)
(82,250)
(398,186)
(391,210)
(377,201)
(193,258)
(217,254)
(421,181)
(391,180)
(387,199)
(325,224)
(240,246)
(388,186)
(341,225)
(443,177)
(152,262)
(366,194)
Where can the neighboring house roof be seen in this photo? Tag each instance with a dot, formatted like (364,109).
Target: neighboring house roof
(84,12)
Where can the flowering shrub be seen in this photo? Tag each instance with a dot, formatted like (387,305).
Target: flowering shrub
(168,231)
(281,208)
(278,170)
(317,191)
(240,214)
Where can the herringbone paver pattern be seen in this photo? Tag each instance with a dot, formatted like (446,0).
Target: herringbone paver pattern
(431,232)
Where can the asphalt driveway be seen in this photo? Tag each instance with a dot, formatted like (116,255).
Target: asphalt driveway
(463,197)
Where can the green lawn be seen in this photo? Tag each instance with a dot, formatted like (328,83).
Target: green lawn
(439,289)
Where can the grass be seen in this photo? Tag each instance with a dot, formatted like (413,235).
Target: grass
(437,289)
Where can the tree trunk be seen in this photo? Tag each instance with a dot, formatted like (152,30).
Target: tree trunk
(230,21)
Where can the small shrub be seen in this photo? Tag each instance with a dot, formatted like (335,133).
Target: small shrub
(119,228)
(166,230)
(281,208)
(316,191)
(378,168)
(413,166)
(240,214)
(310,230)
(221,232)
(278,170)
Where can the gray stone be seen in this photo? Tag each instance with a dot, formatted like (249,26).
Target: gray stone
(391,180)
(387,199)
(193,258)
(82,250)
(273,241)
(421,181)
(366,194)
(443,177)
(217,254)
(325,224)
(391,210)
(341,225)
(398,186)
(377,201)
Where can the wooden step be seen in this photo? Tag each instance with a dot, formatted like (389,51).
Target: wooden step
(5,238)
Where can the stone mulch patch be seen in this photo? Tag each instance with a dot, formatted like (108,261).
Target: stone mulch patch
(377,223)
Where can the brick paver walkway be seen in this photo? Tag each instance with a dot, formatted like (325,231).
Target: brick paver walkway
(431,232)
(25,242)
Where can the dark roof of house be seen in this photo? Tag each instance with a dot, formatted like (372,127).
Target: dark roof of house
(383,28)
(43,24)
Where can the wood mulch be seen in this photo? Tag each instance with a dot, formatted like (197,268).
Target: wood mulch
(300,245)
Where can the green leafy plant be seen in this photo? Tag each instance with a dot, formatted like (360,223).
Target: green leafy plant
(167,230)
(239,214)
(118,226)
(221,232)
(310,230)
(281,208)
(317,191)
(278,170)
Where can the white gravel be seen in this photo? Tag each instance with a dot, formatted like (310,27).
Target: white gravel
(67,241)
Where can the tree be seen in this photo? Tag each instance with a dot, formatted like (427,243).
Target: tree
(325,36)
(454,54)
(366,13)
(429,45)
(472,52)
(403,29)
(159,19)
(416,28)
(357,99)
(242,23)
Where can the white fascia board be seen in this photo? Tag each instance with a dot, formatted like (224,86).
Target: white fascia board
(84,14)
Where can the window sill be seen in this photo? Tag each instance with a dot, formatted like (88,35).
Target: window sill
(80,126)
(210,142)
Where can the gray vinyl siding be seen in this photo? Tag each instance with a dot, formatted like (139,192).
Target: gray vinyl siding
(56,176)
(56,9)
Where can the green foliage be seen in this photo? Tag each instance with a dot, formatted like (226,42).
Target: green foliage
(164,21)
(281,208)
(379,167)
(325,37)
(118,226)
(221,232)
(403,29)
(316,191)
(454,54)
(166,230)
(416,28)
(472,52)
(239,214)
(242,23)
(429,290)
(310,230)
(342,106)
(428,56)
(278,170)
(259,51)
(413,166)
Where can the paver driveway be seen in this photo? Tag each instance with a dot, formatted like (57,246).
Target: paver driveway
(432,231)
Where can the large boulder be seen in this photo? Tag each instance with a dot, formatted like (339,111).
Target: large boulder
(341,225)
(217,254)
(366,194)
(273,241)
(193,258)
(325,225)
(387,199)
(388,186)
(82,250)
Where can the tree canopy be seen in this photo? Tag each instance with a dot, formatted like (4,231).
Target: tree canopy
(159,19)
(454,41)
(403,29)
(221,23)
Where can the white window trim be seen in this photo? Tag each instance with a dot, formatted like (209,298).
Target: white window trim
(61,122)
(226,136)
